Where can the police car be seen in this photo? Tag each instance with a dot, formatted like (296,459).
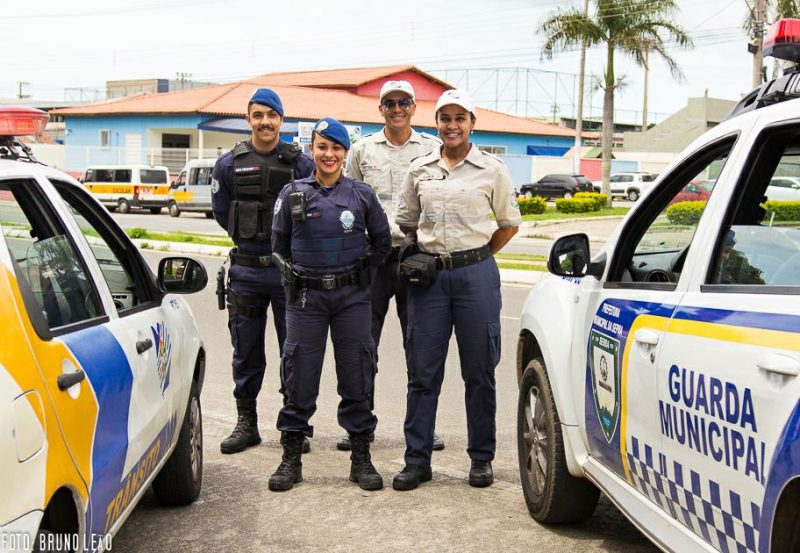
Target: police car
(101,364)
(663,370)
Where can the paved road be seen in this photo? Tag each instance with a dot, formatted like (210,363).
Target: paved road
(235,511)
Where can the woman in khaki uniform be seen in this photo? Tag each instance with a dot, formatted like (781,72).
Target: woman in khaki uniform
(446,202)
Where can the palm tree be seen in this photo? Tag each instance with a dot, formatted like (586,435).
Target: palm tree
(633,27)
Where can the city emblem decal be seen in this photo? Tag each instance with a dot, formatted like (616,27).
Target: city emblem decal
(163,348)
(604,361)
(347,219)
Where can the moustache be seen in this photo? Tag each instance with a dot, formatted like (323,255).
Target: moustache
(266,128)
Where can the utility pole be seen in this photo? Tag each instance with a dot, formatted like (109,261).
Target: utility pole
(20,85)
(646,79)
(576,159)
(759,19)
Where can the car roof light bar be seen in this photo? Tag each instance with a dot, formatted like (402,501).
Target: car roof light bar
(783,40)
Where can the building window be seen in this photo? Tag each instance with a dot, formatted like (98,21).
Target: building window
(105,138)
(492,149)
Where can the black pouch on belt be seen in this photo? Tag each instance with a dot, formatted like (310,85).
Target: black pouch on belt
(418,269)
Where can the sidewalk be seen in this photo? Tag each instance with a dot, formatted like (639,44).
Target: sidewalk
(598,229)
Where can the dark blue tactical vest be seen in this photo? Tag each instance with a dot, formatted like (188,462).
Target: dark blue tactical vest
(257,180)
(333,236)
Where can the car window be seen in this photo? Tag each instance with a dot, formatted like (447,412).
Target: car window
(626,178)
(760,242)
(648,178)
(120,264)
(153,176)
(103,175)
(60,289)
(122,175)
(204,176)
(659,237)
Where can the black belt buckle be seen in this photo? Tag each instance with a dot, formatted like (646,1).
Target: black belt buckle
(446,260)
(328,282)
(264,260)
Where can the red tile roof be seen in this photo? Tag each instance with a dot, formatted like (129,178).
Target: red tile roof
(302,102)
(340,78)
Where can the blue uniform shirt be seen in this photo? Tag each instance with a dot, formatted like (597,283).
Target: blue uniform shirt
(222,195)
(332,239)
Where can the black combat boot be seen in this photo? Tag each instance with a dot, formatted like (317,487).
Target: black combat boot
(246,432)
(290,471)
(361,469)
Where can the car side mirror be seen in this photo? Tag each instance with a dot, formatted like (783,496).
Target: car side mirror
(569,256)
(181,275)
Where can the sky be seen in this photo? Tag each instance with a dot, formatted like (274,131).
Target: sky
(67,50)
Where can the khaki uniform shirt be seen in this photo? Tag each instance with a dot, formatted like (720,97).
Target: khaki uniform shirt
(382,165)
(451,207)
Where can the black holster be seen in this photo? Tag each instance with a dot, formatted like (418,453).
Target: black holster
(251,307)
(221,290)
(288,276)
(364,272)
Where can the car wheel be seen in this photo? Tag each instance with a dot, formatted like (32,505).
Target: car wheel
(181,478)
(155,210)
(174,210)
(123,206)
(209,214)
(528,194)
(633,194)
(551,493)
(567,195)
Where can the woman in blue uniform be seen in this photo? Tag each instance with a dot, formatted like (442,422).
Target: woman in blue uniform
(445,205)
(327,224)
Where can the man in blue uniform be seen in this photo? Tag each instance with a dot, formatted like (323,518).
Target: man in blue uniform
(246,183)
(335,232)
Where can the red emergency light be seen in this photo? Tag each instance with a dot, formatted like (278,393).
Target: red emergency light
(18,121)
(783,40)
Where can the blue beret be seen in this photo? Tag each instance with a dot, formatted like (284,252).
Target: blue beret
(267,97)
(331,129)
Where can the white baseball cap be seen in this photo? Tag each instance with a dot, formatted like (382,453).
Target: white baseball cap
(455,97)
(398,86)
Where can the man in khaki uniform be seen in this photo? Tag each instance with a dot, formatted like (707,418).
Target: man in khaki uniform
(381,160)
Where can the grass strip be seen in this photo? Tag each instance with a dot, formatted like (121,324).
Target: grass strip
(551,214)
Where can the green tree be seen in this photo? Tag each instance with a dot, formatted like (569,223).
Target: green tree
(632,27)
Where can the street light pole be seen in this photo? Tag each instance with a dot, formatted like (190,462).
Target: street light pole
(576,159)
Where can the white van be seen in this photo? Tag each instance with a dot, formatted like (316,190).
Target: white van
(191,191)
(122,187)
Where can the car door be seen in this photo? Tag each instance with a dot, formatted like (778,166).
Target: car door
(729,392)
(621,326)
(65,307)
(150,335)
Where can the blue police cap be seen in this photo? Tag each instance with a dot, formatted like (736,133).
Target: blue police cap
(331,129)
(267,97)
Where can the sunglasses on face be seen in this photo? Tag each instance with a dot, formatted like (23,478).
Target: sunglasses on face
(405,103)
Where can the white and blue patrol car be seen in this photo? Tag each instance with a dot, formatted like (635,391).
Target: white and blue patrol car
(663,371)
(101,364)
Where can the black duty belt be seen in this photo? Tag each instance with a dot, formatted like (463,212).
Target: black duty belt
(455,260)
(328,282)
(394,255)
(249,260)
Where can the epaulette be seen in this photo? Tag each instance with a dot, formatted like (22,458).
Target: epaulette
(420,157)
(494,157)
(431,137)
(240,148)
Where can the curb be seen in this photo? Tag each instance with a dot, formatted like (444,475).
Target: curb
(507,276)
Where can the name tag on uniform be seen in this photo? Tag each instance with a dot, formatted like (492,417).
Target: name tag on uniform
(432,177)
(313,214)
(247,170)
